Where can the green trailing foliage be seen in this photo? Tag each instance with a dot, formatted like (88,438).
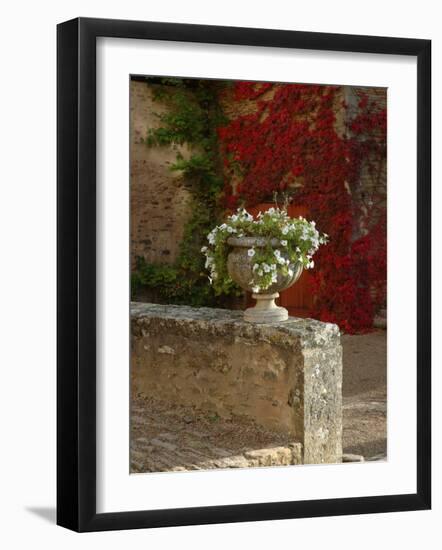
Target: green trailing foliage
(192,119)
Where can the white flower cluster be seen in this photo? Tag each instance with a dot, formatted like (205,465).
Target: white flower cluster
(241,215)
(270,268)
(210,263)
(261,269)
(298,241)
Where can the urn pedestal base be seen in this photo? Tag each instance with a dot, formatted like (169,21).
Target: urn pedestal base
(265,310)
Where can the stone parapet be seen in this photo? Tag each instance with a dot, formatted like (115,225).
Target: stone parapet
(286,377)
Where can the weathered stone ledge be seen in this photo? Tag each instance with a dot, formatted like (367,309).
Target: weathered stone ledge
(286,377)
(228,323)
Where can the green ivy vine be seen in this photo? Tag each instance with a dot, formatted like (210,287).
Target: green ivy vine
(192,118)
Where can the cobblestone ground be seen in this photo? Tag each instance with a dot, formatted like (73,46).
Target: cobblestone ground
(180,439)
(365,395)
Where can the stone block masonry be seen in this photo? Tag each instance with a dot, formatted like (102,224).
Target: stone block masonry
(159,201)
(285,377)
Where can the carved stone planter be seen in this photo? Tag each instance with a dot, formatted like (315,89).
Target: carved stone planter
(240,268)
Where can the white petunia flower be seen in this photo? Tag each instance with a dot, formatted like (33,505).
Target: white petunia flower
(250,252)
(284,243)
(285,230)
(266,268)
(255,267)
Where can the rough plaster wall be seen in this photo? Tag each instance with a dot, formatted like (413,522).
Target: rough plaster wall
(372,189)
(371,193)
(160,205)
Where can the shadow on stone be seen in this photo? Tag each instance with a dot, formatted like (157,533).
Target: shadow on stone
(184,439)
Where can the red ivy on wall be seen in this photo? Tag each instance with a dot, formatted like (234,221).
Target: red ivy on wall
(288,140)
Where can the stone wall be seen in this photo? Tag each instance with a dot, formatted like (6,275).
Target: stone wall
(372,188)
(159,203)
(286,377)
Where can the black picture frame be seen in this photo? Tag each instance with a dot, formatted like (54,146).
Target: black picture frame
(76,274)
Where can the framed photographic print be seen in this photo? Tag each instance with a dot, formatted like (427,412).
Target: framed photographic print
(243,274)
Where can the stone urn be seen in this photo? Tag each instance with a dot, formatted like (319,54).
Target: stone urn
(240,268)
